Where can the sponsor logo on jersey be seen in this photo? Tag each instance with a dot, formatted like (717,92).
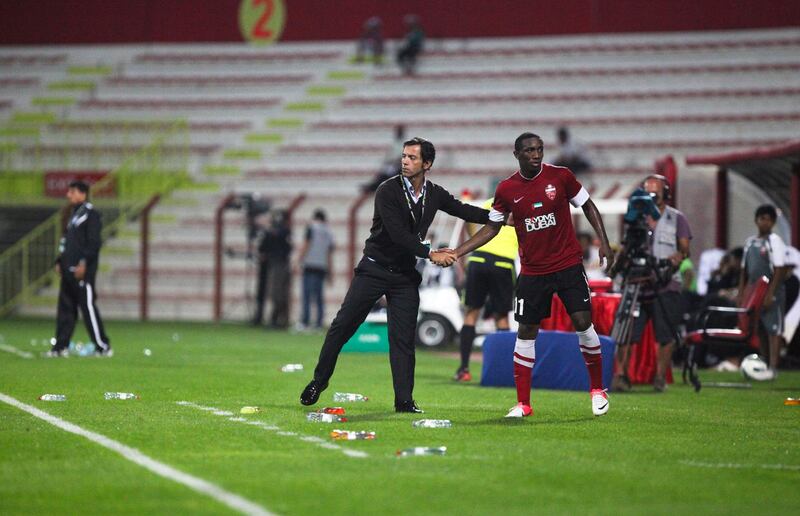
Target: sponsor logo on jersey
(540,222)
(550,192)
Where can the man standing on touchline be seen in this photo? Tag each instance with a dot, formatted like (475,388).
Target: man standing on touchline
(405,206)
(539,197)
(77,264)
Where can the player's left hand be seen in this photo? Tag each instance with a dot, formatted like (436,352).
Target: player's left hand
(80,271)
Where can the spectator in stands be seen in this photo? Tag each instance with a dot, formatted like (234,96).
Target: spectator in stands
(390,166)
(316,255)
(765,255)
(77,261)
(571,154)
(371,41)
(412,45)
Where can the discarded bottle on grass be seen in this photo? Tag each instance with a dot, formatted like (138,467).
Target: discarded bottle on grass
(432,423)
(351,435)
(339,411)
(120,396)
(318,417)
(53,397)
(250,410)
(422,450)
(791,401)
(348,396)
(291,368)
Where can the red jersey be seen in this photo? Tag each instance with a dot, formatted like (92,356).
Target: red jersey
(542,218)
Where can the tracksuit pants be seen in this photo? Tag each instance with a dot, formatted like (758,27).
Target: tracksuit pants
(401,289)
(74,295)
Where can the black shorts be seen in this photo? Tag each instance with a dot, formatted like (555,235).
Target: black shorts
(535,294)
(666,317)
(493,278)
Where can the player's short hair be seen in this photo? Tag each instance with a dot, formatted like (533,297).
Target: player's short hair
(767,209)
(79,185)
(522,137)
(426,149)
(319,215)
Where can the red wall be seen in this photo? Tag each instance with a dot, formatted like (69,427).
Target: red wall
(132,21)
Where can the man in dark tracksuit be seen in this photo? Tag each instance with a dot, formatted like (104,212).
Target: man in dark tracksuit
(404,209)
(77,264)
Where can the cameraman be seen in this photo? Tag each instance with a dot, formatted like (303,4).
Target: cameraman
(669,238)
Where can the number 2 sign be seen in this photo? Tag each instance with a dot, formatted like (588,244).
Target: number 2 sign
(261,21)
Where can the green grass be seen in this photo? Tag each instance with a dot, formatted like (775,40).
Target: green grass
(560,461)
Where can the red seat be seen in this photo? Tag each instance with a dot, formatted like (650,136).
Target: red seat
(746,330)
(744,336)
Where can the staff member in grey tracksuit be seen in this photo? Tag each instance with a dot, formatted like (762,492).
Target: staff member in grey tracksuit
(404,209)
(77,264)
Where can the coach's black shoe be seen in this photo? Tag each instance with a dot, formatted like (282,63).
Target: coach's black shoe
(311,393)
(108,352)
(407,406)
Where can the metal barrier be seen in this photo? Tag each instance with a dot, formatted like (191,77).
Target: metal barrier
(28,265)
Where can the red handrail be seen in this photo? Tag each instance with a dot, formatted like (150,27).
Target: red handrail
(352,223)
(144,273)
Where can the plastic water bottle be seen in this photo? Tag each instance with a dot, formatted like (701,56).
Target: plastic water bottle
(348,396)
(351,435)
(291,368)
(250,410)
(53,397)
(422,450)
(432,423)
(120,396)
(317,417)
(339,411)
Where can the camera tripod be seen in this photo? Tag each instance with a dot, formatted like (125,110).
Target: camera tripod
(622,331)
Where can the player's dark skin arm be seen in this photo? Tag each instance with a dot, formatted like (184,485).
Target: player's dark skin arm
(593,215)
(483,236)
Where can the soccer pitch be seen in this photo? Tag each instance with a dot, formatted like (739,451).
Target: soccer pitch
(722,451)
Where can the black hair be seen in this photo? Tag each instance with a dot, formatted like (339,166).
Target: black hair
(79,185)
(319,215)
(737,253)
(522,137)
(767,209)
(426,149)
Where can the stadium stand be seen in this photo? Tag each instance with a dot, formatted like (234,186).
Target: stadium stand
(301,118)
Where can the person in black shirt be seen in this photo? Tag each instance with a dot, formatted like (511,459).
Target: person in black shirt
(404,209)
(274,272)
(77,264)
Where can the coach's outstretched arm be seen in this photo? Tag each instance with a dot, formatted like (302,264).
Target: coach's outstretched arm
(605,252)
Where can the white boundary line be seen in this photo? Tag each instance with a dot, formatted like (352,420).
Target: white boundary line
(199,485)
(18,352)
(322,443)
(733,465)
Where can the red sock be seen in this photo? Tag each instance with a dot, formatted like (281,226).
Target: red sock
(524,358)
(522,379)
(594,363)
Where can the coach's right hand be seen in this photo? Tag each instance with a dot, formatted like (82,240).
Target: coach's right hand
(443,257)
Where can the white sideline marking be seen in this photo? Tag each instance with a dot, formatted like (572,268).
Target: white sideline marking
(732,465)
(199,485)
(15,351)
(322,443)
